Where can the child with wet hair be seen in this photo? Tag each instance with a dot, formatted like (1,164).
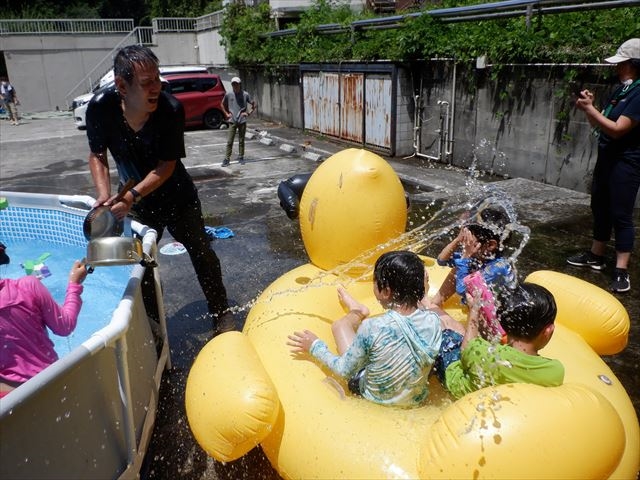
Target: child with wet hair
(477,247)
(467,362)
(386,358)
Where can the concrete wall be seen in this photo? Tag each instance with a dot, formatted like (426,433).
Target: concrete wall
(45,68)
(523,123)
(210,49)
(176,48)
(404,117)
(277,93)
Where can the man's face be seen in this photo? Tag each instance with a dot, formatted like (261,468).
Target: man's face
(235,86)
(142,93)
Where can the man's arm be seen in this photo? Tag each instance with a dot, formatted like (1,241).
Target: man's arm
(148,184)
(154,178)
(224,105)
(99,167)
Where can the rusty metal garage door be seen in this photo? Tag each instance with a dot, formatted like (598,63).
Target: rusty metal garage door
(355,103)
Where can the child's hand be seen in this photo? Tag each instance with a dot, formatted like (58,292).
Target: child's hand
(474,301)
(301,341)
(470,245)
(78,272)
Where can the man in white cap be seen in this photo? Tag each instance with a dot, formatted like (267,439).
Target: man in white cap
(235,108)
(616,177)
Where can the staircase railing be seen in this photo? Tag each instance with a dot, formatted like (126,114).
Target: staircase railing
(137,36)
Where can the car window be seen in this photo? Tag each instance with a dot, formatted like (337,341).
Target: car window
(183,86)
(207,84)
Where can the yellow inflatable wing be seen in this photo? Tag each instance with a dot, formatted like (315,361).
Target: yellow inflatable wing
(310,428)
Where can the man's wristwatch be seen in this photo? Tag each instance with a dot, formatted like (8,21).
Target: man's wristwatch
(136,195)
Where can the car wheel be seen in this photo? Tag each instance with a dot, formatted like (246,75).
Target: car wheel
(212,119)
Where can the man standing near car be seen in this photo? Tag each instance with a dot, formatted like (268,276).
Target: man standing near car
(235,107)
(143,128)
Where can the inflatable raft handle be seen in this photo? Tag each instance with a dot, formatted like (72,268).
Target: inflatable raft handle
(230,400)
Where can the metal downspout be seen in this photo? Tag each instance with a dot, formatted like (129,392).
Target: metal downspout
(417,128)
(452,115)
(445,143)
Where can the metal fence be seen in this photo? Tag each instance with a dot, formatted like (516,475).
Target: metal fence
(197,24)
(174,24)
(210,21)
(52,26)
(101,26)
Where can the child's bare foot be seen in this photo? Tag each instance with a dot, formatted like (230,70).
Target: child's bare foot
(351,304)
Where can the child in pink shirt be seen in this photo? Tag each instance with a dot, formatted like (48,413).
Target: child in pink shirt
(26,309)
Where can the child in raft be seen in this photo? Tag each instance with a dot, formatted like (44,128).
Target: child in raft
(527,315)
(386,358)
(477,247)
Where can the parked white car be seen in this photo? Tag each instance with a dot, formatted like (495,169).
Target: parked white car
(80,103)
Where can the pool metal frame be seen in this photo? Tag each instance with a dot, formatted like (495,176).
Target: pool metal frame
(90,415)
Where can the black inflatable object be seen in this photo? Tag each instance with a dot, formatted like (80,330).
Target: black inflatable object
(290,193)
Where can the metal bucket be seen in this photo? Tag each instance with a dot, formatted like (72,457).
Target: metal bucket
(111,251)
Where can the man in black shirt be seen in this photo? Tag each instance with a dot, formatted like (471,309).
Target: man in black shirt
(143,128)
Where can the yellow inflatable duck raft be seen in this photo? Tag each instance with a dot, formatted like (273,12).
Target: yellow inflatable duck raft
(245,388)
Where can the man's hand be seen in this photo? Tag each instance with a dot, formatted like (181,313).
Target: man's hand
(120,209)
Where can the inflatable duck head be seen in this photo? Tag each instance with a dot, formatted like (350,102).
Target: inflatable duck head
(351,204)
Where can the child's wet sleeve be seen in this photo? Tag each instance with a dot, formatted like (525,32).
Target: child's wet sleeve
(460,376)
(463,268)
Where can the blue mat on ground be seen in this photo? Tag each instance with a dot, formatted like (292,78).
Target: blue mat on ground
(219,232)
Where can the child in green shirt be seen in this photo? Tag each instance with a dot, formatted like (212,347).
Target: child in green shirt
(468,362)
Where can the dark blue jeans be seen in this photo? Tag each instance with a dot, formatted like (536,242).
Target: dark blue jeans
(186,225)
(613,195)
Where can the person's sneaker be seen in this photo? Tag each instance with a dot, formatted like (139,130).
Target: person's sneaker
(621,282)
(241,160)
(224,323)
(226,162)
(587,259)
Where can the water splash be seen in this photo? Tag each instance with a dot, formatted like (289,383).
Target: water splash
(439,222)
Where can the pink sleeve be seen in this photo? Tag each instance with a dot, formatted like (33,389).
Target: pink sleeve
(61,320)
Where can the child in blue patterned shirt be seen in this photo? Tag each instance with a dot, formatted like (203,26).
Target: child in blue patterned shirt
(386,358)
(477,247)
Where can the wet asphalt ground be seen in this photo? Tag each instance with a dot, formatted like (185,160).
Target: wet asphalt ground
(47,154)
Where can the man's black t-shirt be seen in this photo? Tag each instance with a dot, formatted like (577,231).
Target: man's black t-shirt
(137,153)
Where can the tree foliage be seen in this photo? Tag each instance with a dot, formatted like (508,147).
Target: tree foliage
(587,36)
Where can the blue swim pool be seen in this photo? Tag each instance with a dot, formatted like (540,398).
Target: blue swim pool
(102,290)
(90,415)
